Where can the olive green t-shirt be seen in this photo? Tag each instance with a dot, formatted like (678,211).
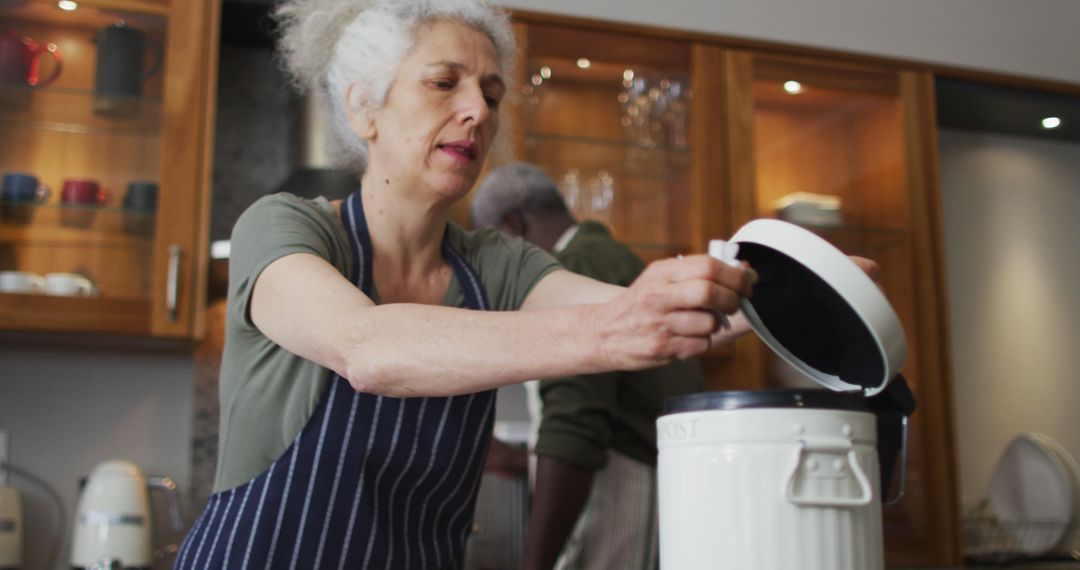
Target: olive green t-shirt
(582,417)
(267,393)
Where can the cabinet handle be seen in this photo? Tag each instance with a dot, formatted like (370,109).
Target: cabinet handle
(172,282)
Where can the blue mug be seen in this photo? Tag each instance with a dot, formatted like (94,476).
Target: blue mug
(141,202)
(141,196)
(23,189)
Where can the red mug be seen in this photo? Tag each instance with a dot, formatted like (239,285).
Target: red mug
(20,59)
(83,191)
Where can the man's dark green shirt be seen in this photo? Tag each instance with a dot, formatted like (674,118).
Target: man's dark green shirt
(585,416)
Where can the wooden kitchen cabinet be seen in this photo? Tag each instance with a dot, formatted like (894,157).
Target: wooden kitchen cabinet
(734,147)
(146,264)
(861,137)
(611,117)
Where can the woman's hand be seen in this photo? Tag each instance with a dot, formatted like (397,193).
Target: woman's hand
(668,312)
(869,266)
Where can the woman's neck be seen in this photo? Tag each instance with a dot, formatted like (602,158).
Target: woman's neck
(406,233)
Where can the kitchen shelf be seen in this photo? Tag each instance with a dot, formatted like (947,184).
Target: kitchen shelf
(70,110)
(69,128)
(56,225)
(148,266)
(74,314)
(855,229)
(855,238)
(552,138)
(144,14)
(658,168)
(66,91)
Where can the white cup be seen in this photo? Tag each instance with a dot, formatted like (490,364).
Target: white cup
(69,285)
(21,282)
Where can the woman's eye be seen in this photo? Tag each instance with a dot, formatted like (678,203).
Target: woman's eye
(492,101)
(444,83)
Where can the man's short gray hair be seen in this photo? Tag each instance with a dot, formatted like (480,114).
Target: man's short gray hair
(327,44)
(517,186)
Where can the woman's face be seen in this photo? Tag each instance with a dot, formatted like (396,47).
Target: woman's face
(441,113)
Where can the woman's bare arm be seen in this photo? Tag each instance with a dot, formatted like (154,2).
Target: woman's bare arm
(303,304)
(564,288)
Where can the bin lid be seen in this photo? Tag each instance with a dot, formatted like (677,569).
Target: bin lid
(818,310)
(771,398)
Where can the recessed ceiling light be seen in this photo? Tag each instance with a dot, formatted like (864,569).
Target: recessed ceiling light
(545,72)
(1051,123)
(67,5)
(537,80)
(584,63)
(628,74)
(793,87)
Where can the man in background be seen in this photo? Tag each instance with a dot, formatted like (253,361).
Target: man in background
(594,493)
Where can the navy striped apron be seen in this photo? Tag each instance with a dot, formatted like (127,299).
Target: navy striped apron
(370,482)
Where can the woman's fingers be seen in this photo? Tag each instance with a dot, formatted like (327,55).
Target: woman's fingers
(869,266)
(700,267)
(697,294)
(670,311)
(689,346)
(691,323)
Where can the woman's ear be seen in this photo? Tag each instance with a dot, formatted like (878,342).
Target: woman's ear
(360,112)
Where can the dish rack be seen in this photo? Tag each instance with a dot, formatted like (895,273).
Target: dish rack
(988,540)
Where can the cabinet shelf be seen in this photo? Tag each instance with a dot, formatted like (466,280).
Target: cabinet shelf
(145,14)
(78,111)
(158,133)
(855,229)
(654,167)
(551,138)
(856,238)
(74,314)
(56,225)
(75,129)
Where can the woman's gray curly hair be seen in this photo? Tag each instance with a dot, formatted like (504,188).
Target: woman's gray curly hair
(327,44)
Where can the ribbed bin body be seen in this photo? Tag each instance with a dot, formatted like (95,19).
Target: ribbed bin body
(769,489)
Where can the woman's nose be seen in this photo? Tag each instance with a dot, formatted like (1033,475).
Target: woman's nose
(474,107)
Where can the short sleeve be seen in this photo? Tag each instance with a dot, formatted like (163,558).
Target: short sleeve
(509,267)
(273,227)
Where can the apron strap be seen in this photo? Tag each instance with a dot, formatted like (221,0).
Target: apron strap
(352,215)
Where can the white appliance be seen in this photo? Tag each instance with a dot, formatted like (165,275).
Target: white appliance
(113,520)
(11,533)
(791,479)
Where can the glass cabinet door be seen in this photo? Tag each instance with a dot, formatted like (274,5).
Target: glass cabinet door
(829,155)
(607,116)
(833,150)
(83,119)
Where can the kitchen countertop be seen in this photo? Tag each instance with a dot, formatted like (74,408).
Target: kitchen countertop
(1073,565)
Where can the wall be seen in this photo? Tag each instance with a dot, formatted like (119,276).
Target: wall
(1010,207)
(1019,38)
(256,122)
(68,409)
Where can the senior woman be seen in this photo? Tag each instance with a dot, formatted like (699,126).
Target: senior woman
(365,338)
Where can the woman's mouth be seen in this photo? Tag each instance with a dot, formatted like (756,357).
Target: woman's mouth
(461,150)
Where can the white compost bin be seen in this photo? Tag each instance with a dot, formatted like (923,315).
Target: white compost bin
(791,479)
